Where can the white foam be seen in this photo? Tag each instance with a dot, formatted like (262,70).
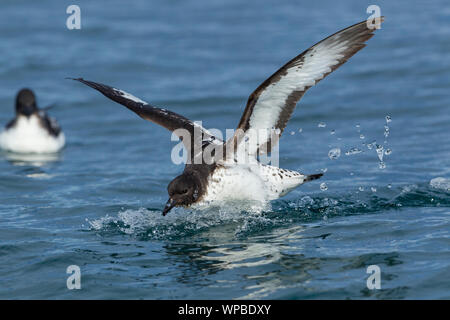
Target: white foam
(440,183)
(151,223)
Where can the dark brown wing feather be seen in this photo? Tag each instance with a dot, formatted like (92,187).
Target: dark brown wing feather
(168,119)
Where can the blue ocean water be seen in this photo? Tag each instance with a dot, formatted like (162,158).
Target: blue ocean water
(98,203)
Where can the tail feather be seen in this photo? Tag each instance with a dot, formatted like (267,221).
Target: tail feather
(313,176)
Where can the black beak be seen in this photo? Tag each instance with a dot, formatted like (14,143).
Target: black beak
(169,205)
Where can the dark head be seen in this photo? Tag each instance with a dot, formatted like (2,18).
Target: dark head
(183,191)
(26,103)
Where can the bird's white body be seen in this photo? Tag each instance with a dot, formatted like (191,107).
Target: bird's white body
(255,182)
(28,136)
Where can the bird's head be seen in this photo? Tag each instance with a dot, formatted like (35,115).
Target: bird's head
(183,191)
(26,103)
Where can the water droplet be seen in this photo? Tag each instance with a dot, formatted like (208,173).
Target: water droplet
(388,152)
(361,189)
(388,119)
(324,170)
(371,145)
(373,189)
(389,186)
(334,153)
(351,173)
(362,137)
(300,130)
(332,132)
(353,151)
(386,131)
(323,186)
(380,152)
(322,125)
(292,133)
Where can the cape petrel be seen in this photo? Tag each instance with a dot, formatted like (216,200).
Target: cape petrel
(269,107)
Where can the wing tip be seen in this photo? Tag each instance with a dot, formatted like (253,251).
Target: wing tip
(95,85)
(76,79)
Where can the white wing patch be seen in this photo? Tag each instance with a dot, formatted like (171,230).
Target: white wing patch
(316,64)
(128,96)
(270,106)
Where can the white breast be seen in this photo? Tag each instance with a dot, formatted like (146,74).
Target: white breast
(254,182)
(28,136)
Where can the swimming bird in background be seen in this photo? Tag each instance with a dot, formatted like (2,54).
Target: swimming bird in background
(32,130)
(269,107)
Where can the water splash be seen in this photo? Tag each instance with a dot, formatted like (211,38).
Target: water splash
(353,151)
(371,145)
(381,149)
(148,224)
(334,153)
(440,183)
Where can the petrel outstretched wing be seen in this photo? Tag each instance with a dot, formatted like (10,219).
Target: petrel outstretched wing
(271,105)
(194,136)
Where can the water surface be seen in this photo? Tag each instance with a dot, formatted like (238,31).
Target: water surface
(98,203)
